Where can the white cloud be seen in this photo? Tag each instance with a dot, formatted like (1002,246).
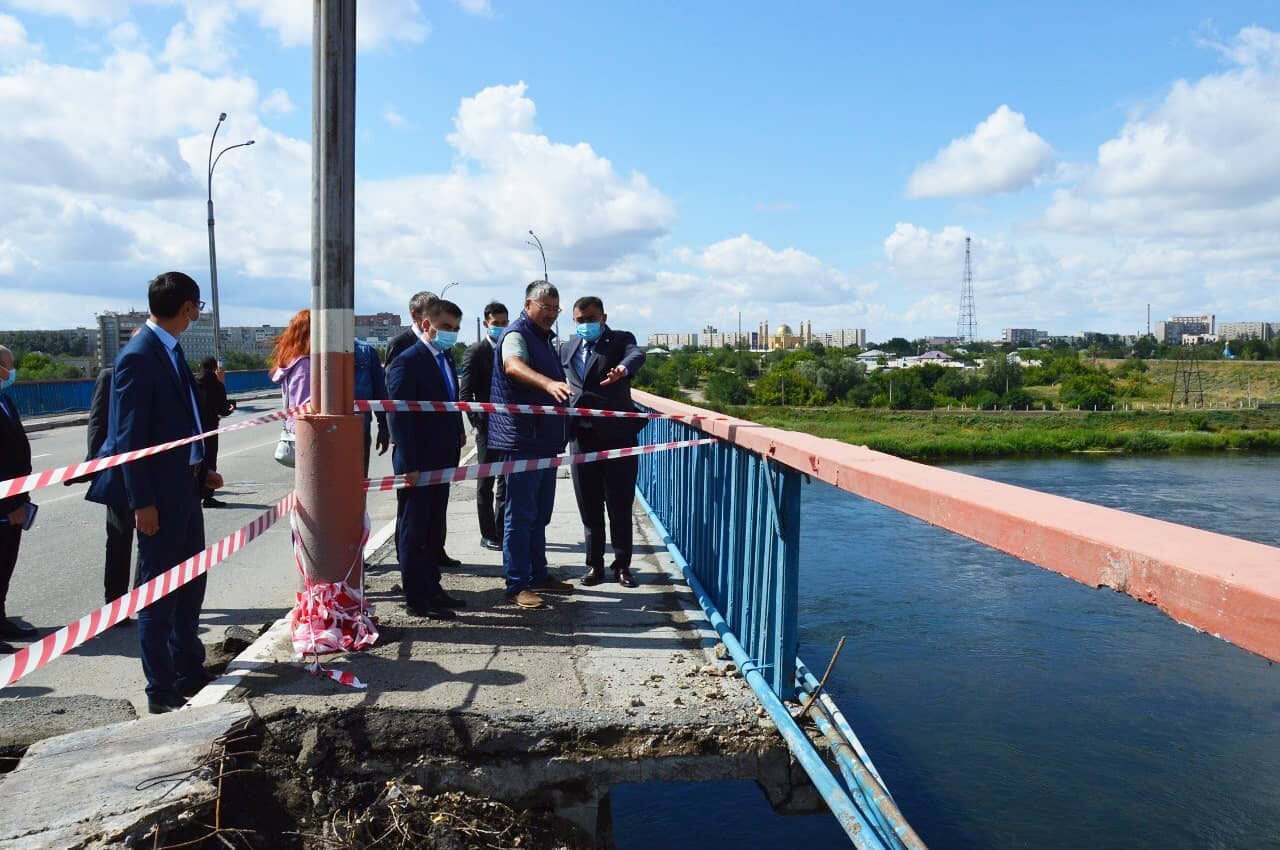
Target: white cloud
(86,12)
(378,24)
(277,103)
(1001,155)
(201,40)
(476,7)
(393,117)
(15,47)
(1203,163)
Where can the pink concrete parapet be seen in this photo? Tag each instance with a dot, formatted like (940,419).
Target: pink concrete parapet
(1219,584)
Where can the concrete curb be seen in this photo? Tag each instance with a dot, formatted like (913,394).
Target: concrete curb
(260,653)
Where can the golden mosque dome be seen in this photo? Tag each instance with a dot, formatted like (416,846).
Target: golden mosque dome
(783,330)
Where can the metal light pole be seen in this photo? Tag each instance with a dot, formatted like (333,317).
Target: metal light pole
(330,465)
(213,254)
(447,287)
(538,245)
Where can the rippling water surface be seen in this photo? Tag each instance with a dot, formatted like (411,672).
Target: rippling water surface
(1009,707)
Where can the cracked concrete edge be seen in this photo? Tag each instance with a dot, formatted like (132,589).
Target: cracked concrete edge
(261,652)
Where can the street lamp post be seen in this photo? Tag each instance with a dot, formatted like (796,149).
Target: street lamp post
(447,287)
(213,254)
(537,243)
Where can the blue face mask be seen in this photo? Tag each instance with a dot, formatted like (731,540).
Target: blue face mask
(445,340)
(495,331)
(590,331)
(8,382)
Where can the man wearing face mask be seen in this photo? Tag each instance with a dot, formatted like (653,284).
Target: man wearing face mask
(426,441)
(154,400)
(15,460)
(477,378)
(599,362)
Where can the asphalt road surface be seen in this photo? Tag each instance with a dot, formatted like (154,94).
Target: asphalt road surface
(60,567)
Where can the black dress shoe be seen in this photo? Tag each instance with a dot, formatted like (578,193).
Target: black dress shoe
(444,600)
(164,705)
(623,576)
(432,611)
(490,544)
(210,502)
(593,576)
(446,561)
(14,629)
(7,648)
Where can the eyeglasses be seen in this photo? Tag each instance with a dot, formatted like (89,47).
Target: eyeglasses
(554,310)
(199,306)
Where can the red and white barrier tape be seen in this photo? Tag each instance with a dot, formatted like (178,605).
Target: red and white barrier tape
(330,617)
(510,467)
(38,480)
(29,658)
(385,406)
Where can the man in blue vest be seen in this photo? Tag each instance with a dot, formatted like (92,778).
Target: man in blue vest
(527,370)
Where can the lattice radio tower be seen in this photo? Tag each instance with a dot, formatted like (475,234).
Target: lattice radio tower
(967,325)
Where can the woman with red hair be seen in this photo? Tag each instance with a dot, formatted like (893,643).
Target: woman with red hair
(291,368)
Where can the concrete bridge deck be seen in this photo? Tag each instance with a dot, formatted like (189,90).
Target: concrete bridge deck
(543,709)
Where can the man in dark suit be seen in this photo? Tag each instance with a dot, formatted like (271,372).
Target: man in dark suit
(154,400)
(119,553)
(599,362)
(477,378)
(15,460)
(426,441)
(211,389)
(419,304)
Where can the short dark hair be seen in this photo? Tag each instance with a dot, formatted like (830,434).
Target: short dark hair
(421,302)
(209,364)
(169,291)
(589,301)
(493,308)
(440,307)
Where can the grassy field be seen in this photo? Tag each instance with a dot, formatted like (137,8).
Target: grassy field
(1226,382)
(941,435)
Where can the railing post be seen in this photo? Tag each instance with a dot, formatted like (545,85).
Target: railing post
(787,599)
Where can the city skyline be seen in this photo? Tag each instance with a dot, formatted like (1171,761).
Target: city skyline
(854,178)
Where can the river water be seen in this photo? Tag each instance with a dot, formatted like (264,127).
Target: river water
(1009,707)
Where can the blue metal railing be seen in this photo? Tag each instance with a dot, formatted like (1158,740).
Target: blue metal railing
(731,520)
(735,517)
(35,398)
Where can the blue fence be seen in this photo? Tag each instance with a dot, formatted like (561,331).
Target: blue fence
(735,518)
(48,397)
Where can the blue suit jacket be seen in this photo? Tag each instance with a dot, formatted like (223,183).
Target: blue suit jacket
(423,440)
(149,405)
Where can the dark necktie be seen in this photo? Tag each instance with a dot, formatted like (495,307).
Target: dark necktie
(443,360)
(184,376)
(588,348)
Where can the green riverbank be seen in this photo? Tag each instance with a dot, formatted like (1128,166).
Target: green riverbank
(932,435)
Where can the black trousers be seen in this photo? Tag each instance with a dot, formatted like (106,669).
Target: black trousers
(119,556)
(605,485)
(420,541)
(168,629)
(210,463)
(10,539)
(491,493)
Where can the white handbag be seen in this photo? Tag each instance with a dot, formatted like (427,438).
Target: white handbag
(285,448)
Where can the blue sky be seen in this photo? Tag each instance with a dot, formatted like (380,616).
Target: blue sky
(685,161)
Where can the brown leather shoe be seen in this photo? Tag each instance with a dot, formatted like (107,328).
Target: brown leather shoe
(552,585)
(593,576)
(623,576)
(527,599)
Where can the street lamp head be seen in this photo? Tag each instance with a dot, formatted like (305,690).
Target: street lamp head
(222,116)
(250,142)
